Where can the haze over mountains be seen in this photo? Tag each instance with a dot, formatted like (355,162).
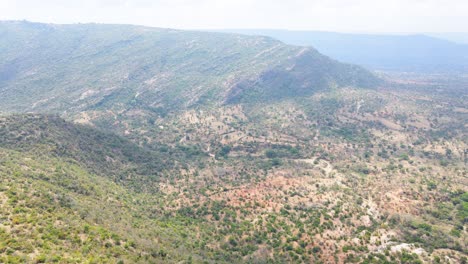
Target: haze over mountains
(131,144)
(411,53)
(460,38)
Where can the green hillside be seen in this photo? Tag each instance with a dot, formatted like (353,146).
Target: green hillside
(99,152)
(73,68)
(59,202)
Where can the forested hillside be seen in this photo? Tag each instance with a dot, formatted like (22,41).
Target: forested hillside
(128,144)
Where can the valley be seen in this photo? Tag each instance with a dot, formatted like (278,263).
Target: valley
(258,152)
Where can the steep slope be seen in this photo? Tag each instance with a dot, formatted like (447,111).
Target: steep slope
(414,53)
(303,75)
(73,68)
(99,152)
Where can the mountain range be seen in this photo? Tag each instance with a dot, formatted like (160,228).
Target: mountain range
(80,67)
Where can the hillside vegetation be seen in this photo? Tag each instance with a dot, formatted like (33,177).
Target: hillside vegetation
(59,198)
(162,146)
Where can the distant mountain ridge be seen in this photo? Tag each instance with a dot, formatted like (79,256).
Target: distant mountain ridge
(457,37)
(412,53)
(73,68)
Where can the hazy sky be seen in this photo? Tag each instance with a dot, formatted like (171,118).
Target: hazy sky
(332,15)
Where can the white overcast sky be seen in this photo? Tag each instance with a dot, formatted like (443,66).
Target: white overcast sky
(331,15)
